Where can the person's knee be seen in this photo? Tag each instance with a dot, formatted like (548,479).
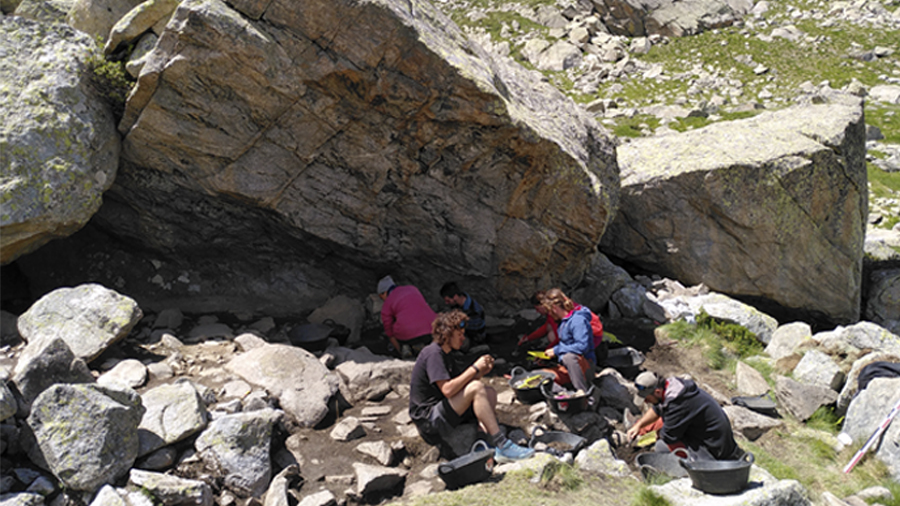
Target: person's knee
(477,387)
(491,394)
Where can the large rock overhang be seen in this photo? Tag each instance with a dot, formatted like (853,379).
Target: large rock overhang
(374,130)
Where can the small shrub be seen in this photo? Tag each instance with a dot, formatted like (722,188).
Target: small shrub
(112,83)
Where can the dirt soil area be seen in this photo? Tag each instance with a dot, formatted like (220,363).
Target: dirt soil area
(325,463)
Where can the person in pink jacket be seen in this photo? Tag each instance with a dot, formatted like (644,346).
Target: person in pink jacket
(406,316)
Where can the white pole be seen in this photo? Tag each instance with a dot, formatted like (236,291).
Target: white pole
(874,437)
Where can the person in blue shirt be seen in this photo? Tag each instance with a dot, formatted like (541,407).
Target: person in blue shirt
(458,299)
(575,349)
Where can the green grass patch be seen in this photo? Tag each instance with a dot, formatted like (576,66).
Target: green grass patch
(647,497)
(564,486)
(693,335)
(636,126)
(689,123)
(774,465)
(561,477)
(883,184)
(826,420)
(887,119)
(739,339)
(722,343)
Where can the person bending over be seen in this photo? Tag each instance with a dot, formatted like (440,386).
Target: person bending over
(693,423)
(406,316)
(440,398)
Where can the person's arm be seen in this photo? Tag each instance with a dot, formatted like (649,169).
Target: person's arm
(387,318)
(537,334)
(647,418)
(476,371)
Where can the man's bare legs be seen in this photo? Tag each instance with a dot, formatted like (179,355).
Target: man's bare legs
(483,400)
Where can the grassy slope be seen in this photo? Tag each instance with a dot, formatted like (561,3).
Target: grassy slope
(731,53)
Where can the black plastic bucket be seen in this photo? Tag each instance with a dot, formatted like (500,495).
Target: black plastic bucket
(525,393)
(719,476)
(310,336)
(574,442)
(626,360)
(473,467)
(653,465)
(568,405)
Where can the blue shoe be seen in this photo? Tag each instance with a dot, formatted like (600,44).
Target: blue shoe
(510,452)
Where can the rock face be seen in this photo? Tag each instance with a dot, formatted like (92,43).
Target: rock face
(397,143)
(772,207)
(59,143)
(883,301)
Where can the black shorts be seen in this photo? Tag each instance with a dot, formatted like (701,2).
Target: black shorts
(443,419)
(422,341)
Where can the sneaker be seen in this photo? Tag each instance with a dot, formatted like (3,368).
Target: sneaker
(510,452)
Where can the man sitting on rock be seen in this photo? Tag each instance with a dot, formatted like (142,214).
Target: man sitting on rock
(693,423)
(441,398)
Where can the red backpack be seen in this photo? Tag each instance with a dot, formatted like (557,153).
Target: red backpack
(597,328)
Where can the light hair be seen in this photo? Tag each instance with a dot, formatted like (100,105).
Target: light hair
(556,297)
(445,324)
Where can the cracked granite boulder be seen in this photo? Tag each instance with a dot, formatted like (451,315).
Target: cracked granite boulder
(771,208)
(59,149)
(310,147)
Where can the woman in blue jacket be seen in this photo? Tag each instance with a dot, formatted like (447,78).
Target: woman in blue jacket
(575,349)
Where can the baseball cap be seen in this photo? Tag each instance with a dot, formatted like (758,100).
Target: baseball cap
(646,382)
(385,284)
